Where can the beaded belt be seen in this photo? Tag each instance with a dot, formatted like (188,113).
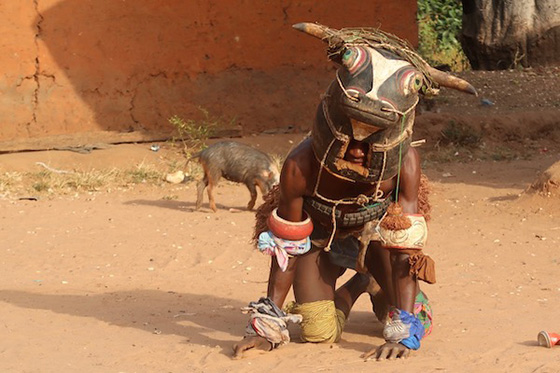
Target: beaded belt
(352,219)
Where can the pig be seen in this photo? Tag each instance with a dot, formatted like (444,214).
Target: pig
(239,163)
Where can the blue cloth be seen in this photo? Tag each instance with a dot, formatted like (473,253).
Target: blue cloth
(411,342)
(416,331)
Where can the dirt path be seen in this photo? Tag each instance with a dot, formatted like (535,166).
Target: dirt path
(136,281)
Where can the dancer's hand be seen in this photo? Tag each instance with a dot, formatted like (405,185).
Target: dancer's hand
(256,342)
(388,351)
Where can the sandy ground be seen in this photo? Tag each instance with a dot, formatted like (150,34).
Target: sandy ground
(135,280)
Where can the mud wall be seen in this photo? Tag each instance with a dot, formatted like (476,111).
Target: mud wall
(77,71)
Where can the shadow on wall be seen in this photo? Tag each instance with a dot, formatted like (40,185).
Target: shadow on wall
(136,63)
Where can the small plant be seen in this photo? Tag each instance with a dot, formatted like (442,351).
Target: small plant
(440,155)
(503,153)
(41,186)
(461,134)
(90,181)
(42,181)
(8,181)
(193,134)
(175,165)
(143,174)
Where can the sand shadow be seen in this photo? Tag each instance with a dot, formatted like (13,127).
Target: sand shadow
(365,324)
(529,343)
(163,203)
(153,311)
(509,197)
(173,313)
(186,206)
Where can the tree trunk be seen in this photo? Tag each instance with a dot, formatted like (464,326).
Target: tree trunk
(504,34)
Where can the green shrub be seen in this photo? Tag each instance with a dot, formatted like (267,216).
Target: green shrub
(439,26)
(193,134)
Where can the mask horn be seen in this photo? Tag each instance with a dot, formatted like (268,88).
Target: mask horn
(450,81)
(319,31)
(330,36)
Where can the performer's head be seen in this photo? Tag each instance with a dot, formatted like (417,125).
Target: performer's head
(371,101)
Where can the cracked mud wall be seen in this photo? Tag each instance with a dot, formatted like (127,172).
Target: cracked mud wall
(77,71)
(17,63)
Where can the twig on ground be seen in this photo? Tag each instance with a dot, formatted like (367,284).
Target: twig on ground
(53,169)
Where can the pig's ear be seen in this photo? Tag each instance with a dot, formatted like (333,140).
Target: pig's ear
(267,174)
(272,174)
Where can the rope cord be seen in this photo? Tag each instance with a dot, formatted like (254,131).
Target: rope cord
(399,165)
(400,162)
(361,199)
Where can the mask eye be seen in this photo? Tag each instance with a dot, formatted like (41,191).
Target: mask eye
(355,59)
(416,83)
(347,57)
(411,82)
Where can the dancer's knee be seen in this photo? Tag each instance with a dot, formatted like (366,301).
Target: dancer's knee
(322,322)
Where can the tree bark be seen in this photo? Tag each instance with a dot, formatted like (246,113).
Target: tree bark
(504,34)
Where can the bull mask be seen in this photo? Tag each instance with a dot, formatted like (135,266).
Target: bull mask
(371,100)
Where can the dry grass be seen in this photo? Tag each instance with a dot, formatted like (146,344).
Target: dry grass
(51,182)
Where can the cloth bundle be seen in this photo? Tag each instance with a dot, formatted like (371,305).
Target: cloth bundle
(269,321)
(274,246)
